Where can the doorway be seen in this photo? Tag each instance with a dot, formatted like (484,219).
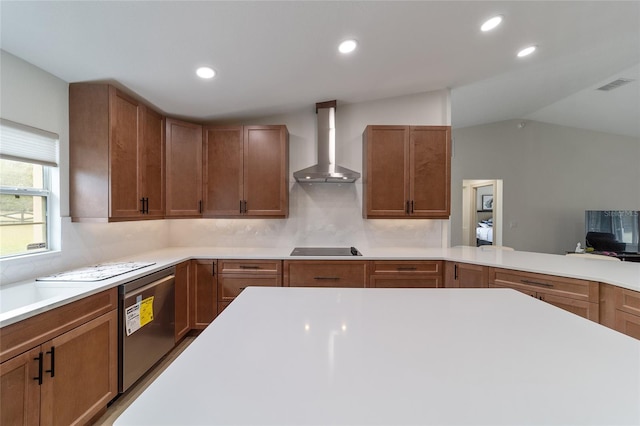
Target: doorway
(481,212)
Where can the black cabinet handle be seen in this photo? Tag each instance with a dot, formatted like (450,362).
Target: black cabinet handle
(406,268)
(240,206)
(146,205)
(411,206)
(213,269)
(249,267)
(538,283)
(39,377)
(52,352)
(200,206)
(142,205)
(455,272)
(327,278)
(406,209)
(245,206)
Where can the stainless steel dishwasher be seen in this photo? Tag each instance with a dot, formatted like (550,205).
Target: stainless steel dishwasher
(146,324)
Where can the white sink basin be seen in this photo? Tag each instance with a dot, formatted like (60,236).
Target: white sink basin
(20,296)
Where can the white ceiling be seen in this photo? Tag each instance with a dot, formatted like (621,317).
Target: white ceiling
(274,57)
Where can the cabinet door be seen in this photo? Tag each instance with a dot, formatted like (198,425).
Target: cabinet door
(19,392)
(266,159)
(81,372)
(386,175)
(183,284)
(430,171)
(628,324)
(184,169)
(330,273)
(205,293)
(586,310)
(124,186)
(464,275)
(152,163)
(223,177)
(231,285)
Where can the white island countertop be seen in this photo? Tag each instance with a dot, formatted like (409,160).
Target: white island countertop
(300,356)
(25,299)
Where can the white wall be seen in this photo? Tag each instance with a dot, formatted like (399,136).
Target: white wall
(330,214)
(551,175)
(31,96)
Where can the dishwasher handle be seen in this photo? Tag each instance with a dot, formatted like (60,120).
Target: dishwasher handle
(148,286)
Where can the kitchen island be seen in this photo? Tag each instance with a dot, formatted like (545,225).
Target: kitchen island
(295,356)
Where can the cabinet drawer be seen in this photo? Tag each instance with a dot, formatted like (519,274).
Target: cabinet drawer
(549,284)
(406,267)
(628,301)
(249,266)
(230,286)
(628,324)
(24,335)
(322,273)
(419,281)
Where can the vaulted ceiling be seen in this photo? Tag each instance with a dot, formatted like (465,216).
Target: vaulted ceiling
(274,57)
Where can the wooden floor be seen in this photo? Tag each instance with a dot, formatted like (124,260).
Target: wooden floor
(118,406)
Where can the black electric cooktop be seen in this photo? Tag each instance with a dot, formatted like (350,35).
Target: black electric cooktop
(325,251)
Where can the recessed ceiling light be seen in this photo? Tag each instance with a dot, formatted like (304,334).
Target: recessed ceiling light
(205,72)
(526,51)
(347,46)
(491,23)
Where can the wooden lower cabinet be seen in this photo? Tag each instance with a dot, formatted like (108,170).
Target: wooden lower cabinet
(620,309)
(406,274)
(465,275)
(577,296)
(204,308)
(67,379)
(236,275)
(325,273)
(182,303)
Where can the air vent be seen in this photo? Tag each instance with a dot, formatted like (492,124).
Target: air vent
(615,84)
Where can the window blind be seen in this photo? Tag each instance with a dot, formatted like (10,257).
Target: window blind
(25,143)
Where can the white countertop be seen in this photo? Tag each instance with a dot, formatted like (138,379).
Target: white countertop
(298,356)
(28,298)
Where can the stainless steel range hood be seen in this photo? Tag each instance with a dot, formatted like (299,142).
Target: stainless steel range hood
(326,170)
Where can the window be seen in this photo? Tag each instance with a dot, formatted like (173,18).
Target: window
(27,157)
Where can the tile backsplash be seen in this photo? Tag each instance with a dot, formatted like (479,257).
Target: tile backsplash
(319,215)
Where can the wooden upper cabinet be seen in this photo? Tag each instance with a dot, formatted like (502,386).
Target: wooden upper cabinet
(223,177)
(246,171)
(152,160)
(115,155)
(184,169)
(407,172)
(386,175)
(430,171)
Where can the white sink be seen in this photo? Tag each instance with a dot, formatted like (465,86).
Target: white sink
(20,296)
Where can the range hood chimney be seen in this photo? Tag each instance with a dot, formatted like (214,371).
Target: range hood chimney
(326,170)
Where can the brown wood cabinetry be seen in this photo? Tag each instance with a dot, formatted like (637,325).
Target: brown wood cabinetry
(184,169)
(246,171)
(182,304)
(236,275)
(204,291)
(465,275)
(407,171)
(578,296)
(116,161)
(73,356)
(406,274)
(620,309)
(326,273)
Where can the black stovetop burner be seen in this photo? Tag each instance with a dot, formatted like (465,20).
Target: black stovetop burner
(325,251)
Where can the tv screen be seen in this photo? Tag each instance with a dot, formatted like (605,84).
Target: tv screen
(613,230)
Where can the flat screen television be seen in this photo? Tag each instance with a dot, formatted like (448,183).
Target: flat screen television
(613,230)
